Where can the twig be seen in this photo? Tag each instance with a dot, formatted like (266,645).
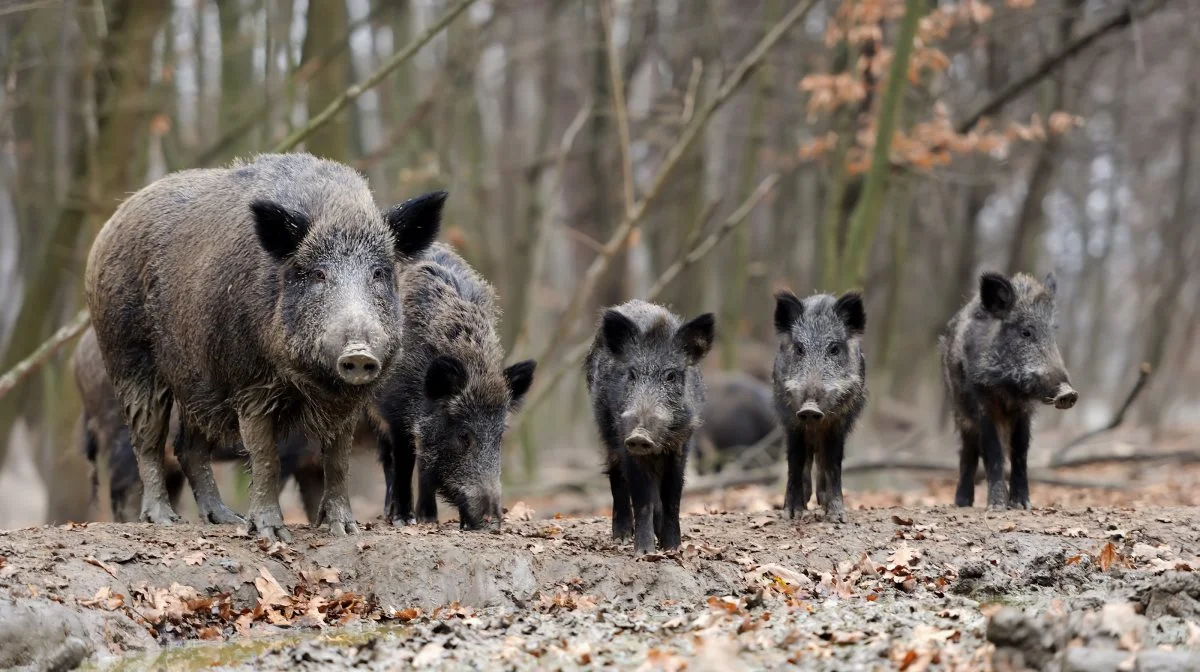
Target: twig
(592,275)
(1119,417)
(1180,456)
(27,366)
(689,98)
(351,94)
(617,85)
(1051,63)
(577,353)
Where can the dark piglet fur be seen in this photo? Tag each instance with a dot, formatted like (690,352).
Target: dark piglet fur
(647,391)
(739,412)
(999,361)
(820,390)
(294,266)
(444,408)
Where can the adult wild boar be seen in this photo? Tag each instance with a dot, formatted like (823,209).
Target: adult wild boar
(262,298)
(445,406)
(820,390)
(739,412)
(999,359)
(647,390)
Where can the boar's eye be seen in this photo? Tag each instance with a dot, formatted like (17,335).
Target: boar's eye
(380,273)
(671,377)
(464,437)
(1026,333)
(799,347)
(632,375)
(318,275)
(834,349)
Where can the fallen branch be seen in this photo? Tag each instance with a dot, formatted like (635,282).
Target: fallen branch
(1180,456)
(1051,63)
(635,214)
(27,366)
(1119,417)
(577,353)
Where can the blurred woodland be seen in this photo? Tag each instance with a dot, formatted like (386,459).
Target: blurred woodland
(701,152)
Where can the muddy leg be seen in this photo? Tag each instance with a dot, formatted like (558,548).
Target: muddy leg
(641,491)
(795,498)
(404,459)
(426,496)
(147,410)
(194,453)
(993,462)
(1018,493)
(831,477)
(968,463)
(670,493)
(264,516)
(335,502)
(622,522)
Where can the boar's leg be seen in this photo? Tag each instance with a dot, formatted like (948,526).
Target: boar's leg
(264,516)
(402,459)
(148,412)
(829,469)
(670,492)
(799,486)
(1018,493)
(641,491)
(427,487)
(968,464)
(993,462)
(622,522)
(194,453)
(335,501)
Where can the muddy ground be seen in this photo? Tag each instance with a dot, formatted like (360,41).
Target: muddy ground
(1091,588)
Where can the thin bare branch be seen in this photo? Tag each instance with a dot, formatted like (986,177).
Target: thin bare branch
(617,84)
(1119,417)
(27,366)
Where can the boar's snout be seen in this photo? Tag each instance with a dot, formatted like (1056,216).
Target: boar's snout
(639,442)
(810,411)
(642,428)
(481,510)
(357,366)
(1064,397)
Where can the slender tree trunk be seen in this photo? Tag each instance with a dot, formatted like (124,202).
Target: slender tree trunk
(326,23)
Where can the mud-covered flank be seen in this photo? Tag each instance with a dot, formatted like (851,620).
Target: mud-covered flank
(894,584)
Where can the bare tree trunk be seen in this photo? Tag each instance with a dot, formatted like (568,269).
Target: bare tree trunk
(326,23)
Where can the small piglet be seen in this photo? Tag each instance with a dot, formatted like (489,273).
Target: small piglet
(647,394)
(820,390)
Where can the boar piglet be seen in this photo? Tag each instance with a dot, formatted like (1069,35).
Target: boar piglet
(999,359)
(647,394)
(739,411)
(447,404)
(262,299)
(820,390)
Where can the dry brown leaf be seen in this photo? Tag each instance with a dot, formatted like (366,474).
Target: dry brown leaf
(270,593)
(906,522)
(102,565)
(328,575)
(1008,526)
(209,633)
(761,522)
(104,599)
(195,558)
(844,638)
(1107,556)
(521,511)
(903,556)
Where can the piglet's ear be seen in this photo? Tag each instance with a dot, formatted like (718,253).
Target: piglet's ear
(695,337)
(617,331)
(850,310)
(280,229)
(788,309)
(519,378)
(1051,283)
(445,378)
(415,223)
(996,293)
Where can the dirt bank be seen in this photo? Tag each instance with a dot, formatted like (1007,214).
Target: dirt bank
(893,585)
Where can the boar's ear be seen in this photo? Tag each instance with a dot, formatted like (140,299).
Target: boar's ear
(996,294)
(1051,283)
(280,230)
(695,337)
(444,378)
(788,309)
(519,378)
(618,332)
(850,310)
(415,223)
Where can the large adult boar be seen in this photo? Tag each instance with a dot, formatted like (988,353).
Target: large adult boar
(446,404)
(739,411)
(820,390)
(999,359)
(262,298)
(647,390)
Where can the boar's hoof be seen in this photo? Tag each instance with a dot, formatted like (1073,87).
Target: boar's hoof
(622,531)
(401,521)
(337,514)
(160,513)
(219,514)
(835,514)
(1020,504)
(269,525)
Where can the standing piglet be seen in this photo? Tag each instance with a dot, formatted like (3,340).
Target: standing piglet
(999,358)
(446,405)
(647,393)
(262,298)
(820,390)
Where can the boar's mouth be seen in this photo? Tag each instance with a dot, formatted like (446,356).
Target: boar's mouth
(1063,398)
